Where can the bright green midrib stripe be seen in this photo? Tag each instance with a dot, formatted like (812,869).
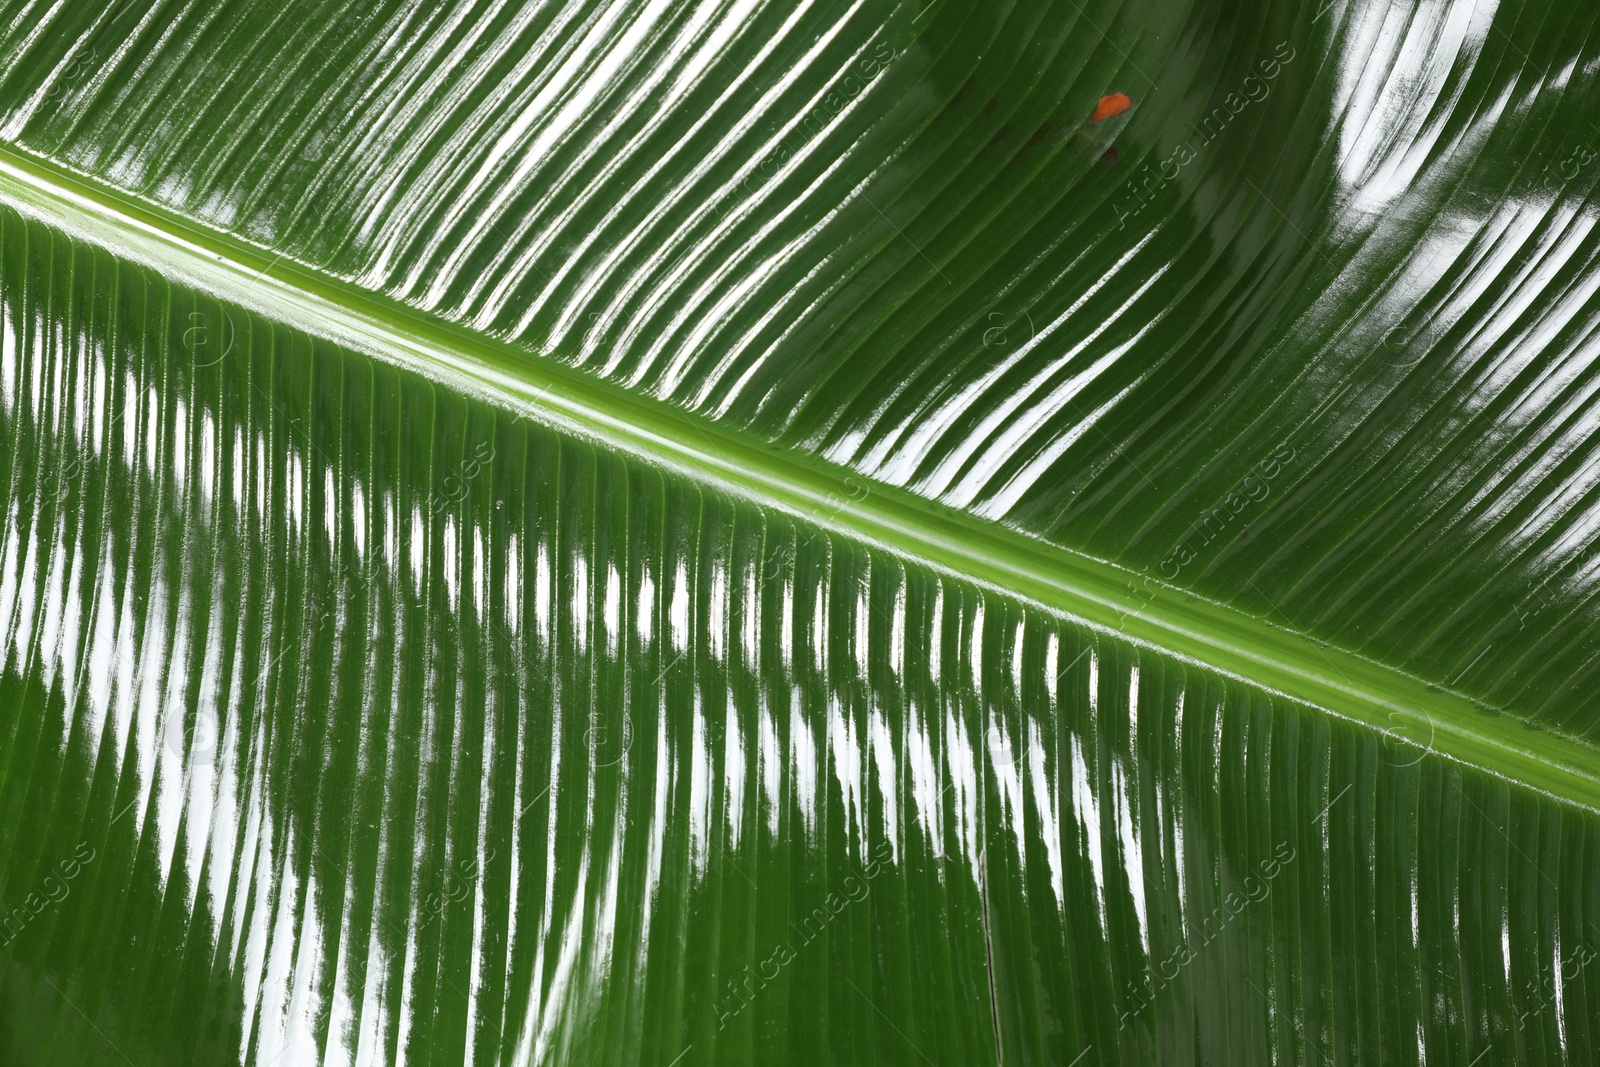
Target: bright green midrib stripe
(1091,590)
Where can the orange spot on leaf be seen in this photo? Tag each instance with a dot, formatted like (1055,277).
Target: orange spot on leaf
(1110,107)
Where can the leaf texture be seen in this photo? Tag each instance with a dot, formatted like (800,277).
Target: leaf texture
(369,708)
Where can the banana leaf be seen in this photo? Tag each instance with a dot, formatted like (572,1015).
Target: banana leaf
(623,532)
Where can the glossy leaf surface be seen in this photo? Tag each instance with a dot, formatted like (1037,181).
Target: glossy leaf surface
(399,675)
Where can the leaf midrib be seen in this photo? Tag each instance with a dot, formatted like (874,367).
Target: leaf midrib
(1093,591)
